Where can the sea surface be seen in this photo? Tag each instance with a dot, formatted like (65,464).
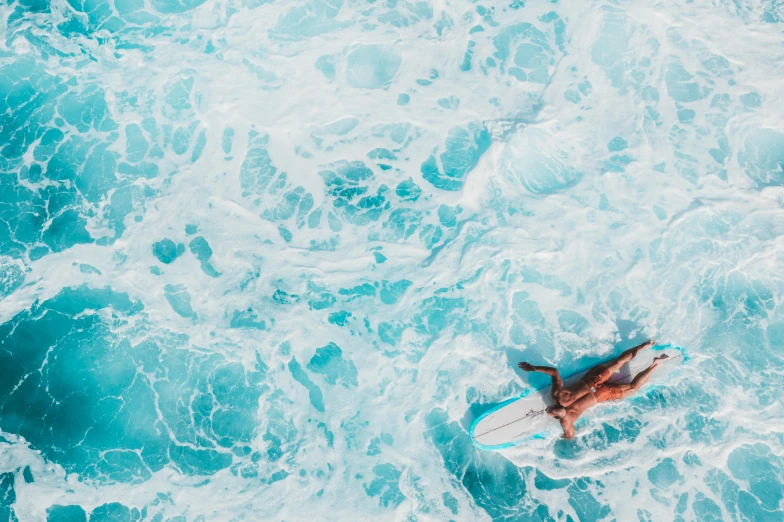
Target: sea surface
(267,260)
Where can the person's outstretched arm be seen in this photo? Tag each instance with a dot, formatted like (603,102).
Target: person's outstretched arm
(548,370)
(568,428)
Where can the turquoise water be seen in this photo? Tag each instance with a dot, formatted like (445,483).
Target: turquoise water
(268,260)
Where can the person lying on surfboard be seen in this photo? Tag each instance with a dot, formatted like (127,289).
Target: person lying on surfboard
(593,388)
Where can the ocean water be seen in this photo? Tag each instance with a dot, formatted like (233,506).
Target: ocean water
(267,260)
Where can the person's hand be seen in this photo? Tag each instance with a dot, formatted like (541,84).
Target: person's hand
(525,367)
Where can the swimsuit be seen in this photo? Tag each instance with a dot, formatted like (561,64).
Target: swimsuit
(596,378)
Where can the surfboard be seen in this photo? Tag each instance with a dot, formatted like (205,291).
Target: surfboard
(522,418)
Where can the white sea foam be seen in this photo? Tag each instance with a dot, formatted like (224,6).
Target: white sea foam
(608,173)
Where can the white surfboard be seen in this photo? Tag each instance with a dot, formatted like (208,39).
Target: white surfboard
(522,418)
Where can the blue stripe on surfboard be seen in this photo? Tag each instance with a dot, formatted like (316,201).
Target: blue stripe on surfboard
(525,393)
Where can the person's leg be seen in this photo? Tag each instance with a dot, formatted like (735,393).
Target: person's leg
(640,379)
(646,344)
(616,364)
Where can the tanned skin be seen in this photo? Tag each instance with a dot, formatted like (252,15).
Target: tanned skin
(573,400)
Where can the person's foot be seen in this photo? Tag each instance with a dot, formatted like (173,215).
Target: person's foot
(660,359)
(643,346)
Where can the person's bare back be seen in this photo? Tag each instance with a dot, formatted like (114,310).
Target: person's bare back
(573,400)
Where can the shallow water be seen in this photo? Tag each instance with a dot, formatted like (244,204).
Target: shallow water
(268,260)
